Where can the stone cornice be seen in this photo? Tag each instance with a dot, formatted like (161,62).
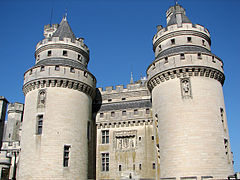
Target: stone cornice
(187,71)
(180,33)
(61,46)
(59,82)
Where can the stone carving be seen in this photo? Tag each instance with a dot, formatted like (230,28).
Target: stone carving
(41,98)
(125,140)
(186,88)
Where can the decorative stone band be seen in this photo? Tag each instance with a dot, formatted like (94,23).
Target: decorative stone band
(126,123)
(180,33)
(187,71)
(62,46)
(59,82)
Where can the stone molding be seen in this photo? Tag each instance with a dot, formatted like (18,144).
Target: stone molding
(180,33)
(62,46)
(59,82)
(127,123)
(183,72)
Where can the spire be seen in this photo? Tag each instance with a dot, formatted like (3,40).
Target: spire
(176,15)
(131,81)
(64,30)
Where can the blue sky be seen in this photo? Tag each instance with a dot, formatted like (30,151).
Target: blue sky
(119,34)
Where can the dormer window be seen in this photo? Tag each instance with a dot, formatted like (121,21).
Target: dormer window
(65,53)
(49,53)
(172,41)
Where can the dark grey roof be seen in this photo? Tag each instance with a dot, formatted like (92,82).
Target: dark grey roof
(63,62)
(173,19)
(177,9)
(184,48)
(64,31)
(126,105)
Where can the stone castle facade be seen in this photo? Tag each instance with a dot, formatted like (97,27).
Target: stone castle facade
(171,125)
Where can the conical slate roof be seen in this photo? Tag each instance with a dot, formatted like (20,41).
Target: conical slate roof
(64,31)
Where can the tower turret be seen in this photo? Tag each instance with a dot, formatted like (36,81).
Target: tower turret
(185,81)
(59,91)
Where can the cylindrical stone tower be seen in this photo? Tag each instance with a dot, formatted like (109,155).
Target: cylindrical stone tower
(58,107)
(186,80)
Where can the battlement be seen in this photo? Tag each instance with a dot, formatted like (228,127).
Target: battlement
(138,85)
(185,26)
(49,30)
(15,107)
(7,145)
(66,41)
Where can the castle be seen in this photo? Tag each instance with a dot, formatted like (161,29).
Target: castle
(171,125)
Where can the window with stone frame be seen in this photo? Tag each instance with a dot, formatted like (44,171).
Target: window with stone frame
(124,113)
(39,124)
(65,53)
(101,115)
(66,153)
(105,136)
(49,53)
(105,162)
(135,112)
(147,111)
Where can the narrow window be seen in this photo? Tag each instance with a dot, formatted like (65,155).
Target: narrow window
(38,57)
(85,73)
(88,130)
(57,68)
(109,100)
(119,167)
(101,115)
(153,166)
(42,68)
(112,114)
(66,152)
(166,60)
(140,166)
(173,41)
(134,167)
(39,124)
(139,138)
(105,161)
(213,59)
(79,57)
(160,47)
(105,136)
(65,53)
(124,113)
(72,70)
(182,56)
(189,39)
(203,43)
(123,99)
(49,53)
(152,137)
(147,111)
(135,111)
(30,72)
(199,56)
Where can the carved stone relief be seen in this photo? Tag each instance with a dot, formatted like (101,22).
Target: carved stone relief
(42,98)
(186,88)
(125,140)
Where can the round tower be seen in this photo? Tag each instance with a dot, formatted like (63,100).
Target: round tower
(59,91)
(185,81)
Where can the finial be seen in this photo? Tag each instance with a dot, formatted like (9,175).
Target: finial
(176,2)
(65,16)
(131,81)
